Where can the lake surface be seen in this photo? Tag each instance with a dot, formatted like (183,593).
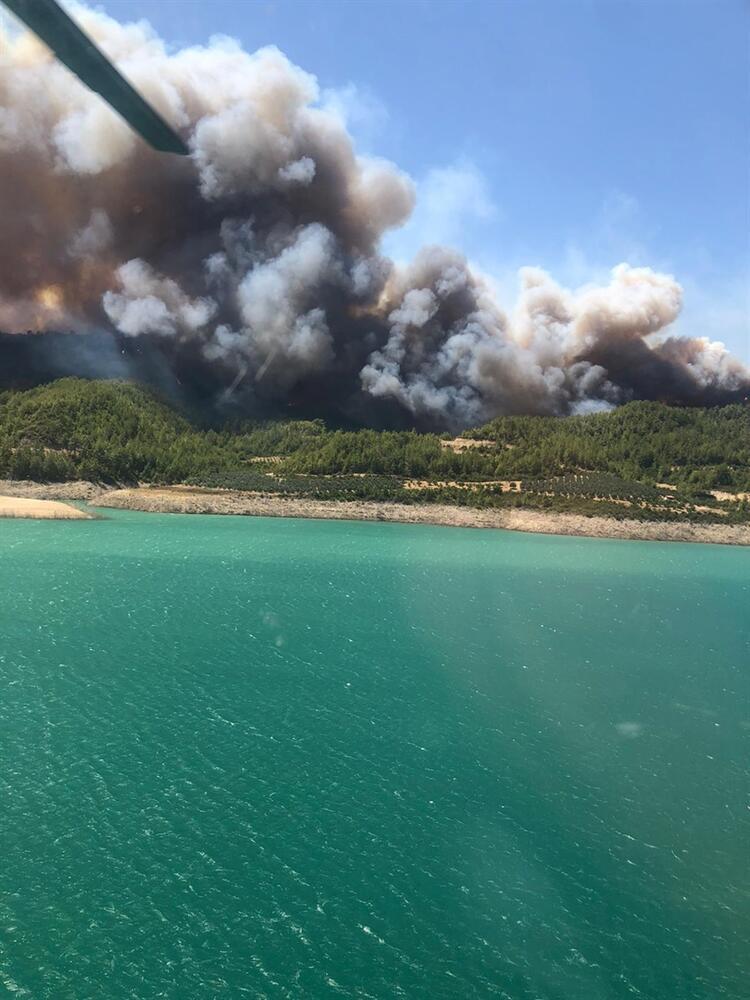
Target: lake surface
(284,758)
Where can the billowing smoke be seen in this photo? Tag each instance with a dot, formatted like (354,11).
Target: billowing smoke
(254,265)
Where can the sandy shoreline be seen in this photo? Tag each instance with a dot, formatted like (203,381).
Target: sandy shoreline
(190,500)
(186,501)
(40,509)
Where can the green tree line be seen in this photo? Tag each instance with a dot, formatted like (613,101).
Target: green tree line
(115,432)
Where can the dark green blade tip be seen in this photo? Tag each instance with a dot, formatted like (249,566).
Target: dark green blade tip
(76,50)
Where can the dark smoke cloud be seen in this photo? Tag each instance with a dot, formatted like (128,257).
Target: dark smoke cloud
(251,271)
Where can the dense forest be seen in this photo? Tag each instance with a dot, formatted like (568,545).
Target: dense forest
(654,460)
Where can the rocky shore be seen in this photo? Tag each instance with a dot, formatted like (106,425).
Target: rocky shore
(194,500)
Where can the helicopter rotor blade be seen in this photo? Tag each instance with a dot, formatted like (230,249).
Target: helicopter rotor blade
(74,48)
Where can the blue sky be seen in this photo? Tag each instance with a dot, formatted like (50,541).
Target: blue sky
(568,134)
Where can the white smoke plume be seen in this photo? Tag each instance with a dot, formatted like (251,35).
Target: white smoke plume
(257,259)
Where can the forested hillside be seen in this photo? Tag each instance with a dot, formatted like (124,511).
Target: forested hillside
(115,432)
(642,441)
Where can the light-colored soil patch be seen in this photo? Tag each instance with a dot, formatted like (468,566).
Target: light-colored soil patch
(506,485)
(723,496)
(734,497)
(41,509)
(622,503)
(188,501)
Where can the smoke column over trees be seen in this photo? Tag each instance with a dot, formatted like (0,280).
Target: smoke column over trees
(251,271)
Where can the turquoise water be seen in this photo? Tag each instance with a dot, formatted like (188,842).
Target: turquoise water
(279,758)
